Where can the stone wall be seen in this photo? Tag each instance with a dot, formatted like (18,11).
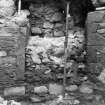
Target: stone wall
(38,71)
(96,41)
(38,74)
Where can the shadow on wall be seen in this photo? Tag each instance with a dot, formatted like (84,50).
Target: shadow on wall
(78,8)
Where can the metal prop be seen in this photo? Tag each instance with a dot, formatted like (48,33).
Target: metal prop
(65,48)
(19,7)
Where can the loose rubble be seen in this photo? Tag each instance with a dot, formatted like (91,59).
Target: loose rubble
(72,88)
(10,102)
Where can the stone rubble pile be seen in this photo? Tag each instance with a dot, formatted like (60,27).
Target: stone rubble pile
(46,55)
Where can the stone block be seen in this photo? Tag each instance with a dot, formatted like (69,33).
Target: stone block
(55,89)
(102,24)
(36,30)
(14,91)
(96,16)
(58,25)
(56,17)
(3,53)
(101,31)
(72,88)
(40,89)
(58,33)
(48,25)
(23,30)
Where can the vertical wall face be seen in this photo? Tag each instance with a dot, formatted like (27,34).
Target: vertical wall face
(96,41)
(12,54)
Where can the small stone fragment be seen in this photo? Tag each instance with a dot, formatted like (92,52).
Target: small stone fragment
(76,102)
(58,33)
(102,24)
(36,58)
(35,99)
(96,16)
(72,88)
(3,53)
(86,89)
(98,97)
(101,31)
(36,30)
(24,103)
(89,97)
(55,89)
(58,25)
(48,33)
(48,25)
(40,89)
(55,59)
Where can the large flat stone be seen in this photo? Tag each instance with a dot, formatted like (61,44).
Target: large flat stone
(14,91)
(96,16)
